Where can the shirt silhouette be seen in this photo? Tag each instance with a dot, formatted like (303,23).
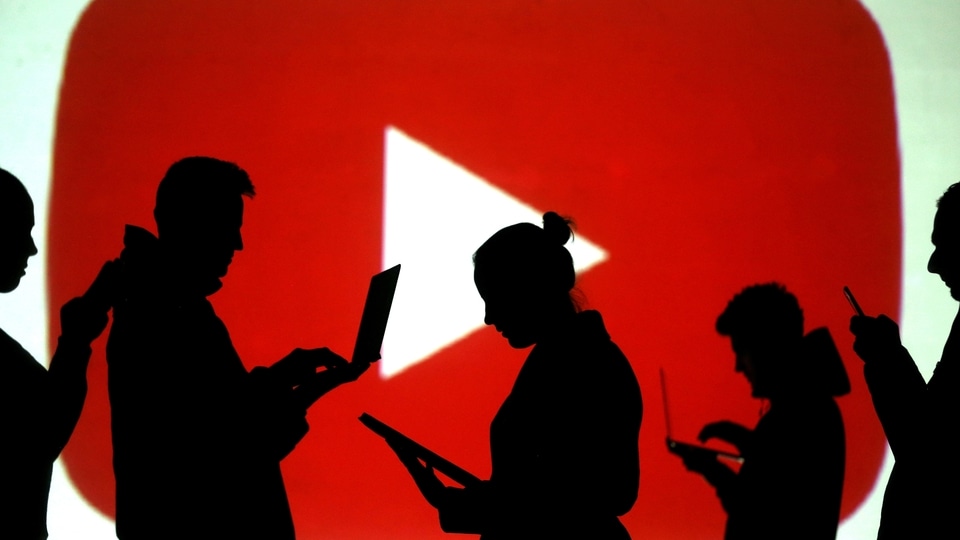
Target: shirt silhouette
(197,438)
(38,407)
(918,417)
(564,444)
(791,480)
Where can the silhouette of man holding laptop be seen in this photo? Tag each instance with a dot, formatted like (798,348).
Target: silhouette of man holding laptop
(197,438)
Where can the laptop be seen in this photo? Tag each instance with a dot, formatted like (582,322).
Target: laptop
(681,448)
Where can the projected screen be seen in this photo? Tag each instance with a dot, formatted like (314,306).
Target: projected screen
(699,146)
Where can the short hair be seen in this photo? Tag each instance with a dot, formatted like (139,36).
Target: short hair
(950,200)
(13,195)
(762,314)
(194,185)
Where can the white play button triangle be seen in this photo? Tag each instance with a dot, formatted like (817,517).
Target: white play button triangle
(436,214)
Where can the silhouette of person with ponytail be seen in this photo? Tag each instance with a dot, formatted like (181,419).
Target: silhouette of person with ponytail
(564,443)
(39,407)
(791,480)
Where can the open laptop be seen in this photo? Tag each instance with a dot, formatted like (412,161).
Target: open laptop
(681,448)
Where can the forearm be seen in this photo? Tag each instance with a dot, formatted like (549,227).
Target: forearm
(465,511)
(67,390)
(308,393)
(901,401)
(277,419)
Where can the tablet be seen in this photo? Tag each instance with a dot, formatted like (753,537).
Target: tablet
(455,473)
(376,310)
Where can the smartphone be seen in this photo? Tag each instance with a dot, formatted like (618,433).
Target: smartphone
(681,449)
(852,300)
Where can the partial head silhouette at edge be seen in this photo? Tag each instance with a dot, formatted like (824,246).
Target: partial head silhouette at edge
(945,259)
(16,224)
(39,408)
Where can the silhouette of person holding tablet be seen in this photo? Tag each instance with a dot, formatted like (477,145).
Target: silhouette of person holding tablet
(564,443)
(918,417)
(198,439)
(39,407)
(791,479)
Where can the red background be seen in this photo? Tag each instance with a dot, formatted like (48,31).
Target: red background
(706,146)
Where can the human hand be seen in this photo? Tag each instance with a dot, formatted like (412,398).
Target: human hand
(81,321)
(103,292)
(423,474)
(301,365)
(876,337)
(727,431)
(695,459)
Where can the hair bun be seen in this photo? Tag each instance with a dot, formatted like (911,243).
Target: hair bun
(557,228)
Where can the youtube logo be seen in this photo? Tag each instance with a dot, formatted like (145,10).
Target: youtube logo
(700,147)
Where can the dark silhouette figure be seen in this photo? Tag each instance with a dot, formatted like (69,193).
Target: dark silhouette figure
(919,417)
(38,407)
(564,443)
(197,439)
(791,479)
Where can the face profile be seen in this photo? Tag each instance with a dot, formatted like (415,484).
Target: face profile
(945,259)
(16,224)
(524,276)
(510,306)
(765,326)
(199,214)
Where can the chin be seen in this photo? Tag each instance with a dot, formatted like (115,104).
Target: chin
(520,343)
(9,283)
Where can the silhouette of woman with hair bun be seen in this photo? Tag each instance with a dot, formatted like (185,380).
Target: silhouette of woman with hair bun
(564,443)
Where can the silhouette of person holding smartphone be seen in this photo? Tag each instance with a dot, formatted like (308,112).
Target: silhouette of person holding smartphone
(198,439)
(918,417)
(564,443)
(39,407)
(791,479)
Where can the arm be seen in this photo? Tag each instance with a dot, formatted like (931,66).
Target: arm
(282,393)
(899,392)
(82,320)
(461,510)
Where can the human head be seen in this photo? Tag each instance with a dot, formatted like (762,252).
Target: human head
(525,277)
(945,259)
(765,326)
(199,213)
(16,222)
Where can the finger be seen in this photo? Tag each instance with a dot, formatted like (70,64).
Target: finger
(330,359)
(357,369)
(860,324)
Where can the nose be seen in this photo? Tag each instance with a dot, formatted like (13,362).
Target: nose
(238,242)
(933,265)
(33,247)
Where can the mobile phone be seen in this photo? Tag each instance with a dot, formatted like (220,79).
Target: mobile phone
(852,300)
(683,449)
